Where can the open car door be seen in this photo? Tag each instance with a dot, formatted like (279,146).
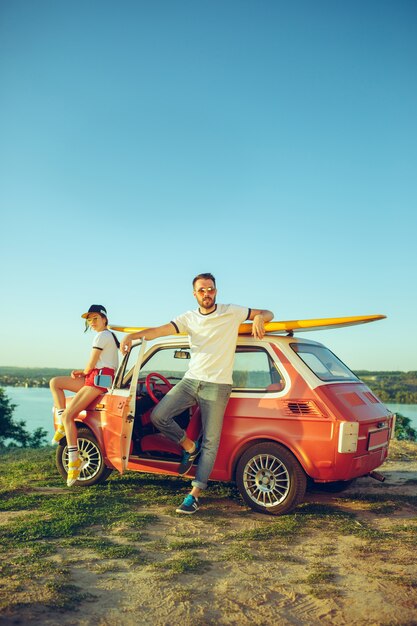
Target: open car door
(118,417)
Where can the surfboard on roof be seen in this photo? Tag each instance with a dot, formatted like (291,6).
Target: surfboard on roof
(285,326)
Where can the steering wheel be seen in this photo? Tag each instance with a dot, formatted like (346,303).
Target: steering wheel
(150,384)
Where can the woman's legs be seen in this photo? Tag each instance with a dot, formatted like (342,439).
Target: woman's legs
(80,401)
(57,386)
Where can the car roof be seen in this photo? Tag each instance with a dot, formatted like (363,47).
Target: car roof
(269,338)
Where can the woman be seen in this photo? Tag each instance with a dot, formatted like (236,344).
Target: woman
(103,359)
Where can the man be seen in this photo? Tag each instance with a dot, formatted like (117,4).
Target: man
(213,330)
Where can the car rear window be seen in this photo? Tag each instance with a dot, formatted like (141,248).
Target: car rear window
(323,362)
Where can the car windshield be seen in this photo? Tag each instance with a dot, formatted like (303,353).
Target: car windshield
(323,363)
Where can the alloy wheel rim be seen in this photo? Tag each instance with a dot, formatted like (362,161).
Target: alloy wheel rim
(90,454)
(266,480)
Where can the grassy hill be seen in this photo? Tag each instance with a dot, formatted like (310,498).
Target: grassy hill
(105,555)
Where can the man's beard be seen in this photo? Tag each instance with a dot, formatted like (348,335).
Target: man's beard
(207,302)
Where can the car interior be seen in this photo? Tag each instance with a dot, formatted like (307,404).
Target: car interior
(254,371)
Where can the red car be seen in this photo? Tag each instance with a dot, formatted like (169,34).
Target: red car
(297,415)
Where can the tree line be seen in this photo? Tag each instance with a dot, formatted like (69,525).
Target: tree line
(14,433)
(391,387)
(394,387)
(29,376)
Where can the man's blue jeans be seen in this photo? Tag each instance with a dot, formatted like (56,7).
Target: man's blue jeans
(212,399)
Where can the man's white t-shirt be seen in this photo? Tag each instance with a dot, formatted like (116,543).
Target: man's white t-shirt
(109,354)
(213,341)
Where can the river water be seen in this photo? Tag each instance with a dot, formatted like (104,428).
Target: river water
(34,406)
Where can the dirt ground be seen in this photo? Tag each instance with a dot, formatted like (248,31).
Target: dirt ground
(322,575)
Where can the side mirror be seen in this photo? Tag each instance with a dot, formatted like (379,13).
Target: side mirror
(103,380)
(181,354)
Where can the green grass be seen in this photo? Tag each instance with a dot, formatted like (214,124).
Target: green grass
(406,528)
(47,529)
(19,501)
(381,497)
(187,544)
(24,468)
(103,547)
(184,564)
(282,527)
(63,515)
(237,553)
(320,575)
(66,597)
(409,582)
(327,550)
(321,581)
(338,520)
(46,520)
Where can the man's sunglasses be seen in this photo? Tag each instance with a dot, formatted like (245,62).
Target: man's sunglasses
(206,290)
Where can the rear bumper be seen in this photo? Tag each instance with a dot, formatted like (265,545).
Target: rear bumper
(362,465)
(352,466)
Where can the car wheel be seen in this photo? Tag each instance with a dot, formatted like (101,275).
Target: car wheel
(95,471)
(270,479)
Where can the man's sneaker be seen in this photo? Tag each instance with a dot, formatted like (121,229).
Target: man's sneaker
(188,458)
(59,434)
(189,506)
(74,470)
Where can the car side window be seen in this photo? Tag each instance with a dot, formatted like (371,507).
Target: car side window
(171,362)
(255,371)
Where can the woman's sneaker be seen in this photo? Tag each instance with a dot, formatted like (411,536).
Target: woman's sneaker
(74,470)
(59,434)
(189,506)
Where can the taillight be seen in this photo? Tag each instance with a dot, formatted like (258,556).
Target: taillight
(394,420)
(348,437)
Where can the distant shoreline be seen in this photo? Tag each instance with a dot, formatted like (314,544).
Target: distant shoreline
(29,377)
(397,387)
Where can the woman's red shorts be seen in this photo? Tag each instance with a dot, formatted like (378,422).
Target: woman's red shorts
(89,379)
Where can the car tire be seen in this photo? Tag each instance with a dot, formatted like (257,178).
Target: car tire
(95,470)
(270,479)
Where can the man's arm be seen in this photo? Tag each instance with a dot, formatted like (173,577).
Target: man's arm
(259,317)
(148,334)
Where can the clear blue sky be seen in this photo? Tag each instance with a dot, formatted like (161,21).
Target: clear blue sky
(272,143)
